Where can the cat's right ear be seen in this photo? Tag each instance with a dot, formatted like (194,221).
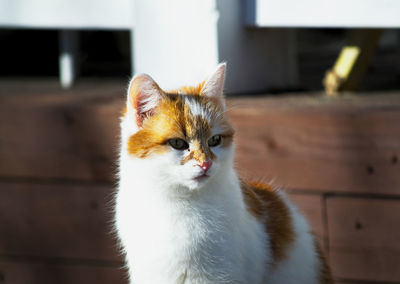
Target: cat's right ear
(214,85)
(143,96)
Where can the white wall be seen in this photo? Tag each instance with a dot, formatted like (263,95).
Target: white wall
(324,13)
(105,14)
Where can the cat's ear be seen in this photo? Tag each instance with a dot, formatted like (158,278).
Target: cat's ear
(143,96)
(214,85)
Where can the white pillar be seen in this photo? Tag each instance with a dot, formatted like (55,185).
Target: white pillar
(68,41)
(175,41)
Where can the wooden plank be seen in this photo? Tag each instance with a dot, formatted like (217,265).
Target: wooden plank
(314,144)
(346,145)
(77,141)
(45,273)
(311,206)
(63,221)
(364,238)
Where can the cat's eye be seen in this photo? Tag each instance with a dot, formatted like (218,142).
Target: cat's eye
(214,140)
(178,144)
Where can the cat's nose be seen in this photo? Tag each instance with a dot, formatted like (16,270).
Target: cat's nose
(206,165)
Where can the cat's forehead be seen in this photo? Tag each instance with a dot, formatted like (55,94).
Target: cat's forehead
(193,114)
(192,106)
(198,107)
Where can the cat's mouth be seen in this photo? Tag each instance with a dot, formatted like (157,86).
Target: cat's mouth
(201,177)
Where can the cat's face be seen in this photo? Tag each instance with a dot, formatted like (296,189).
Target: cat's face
(183,135)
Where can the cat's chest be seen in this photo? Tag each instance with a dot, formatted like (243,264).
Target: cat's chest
(185,240)
(184,231)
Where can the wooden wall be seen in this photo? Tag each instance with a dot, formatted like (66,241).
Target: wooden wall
(337,158)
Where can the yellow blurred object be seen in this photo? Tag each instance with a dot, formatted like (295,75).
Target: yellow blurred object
(352,62)
(347,58)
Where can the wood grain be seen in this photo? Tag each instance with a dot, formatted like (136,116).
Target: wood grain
(364,238)
(320,146)
(34,273)
(314,144)
(311,206)
(63,221)
(77,141)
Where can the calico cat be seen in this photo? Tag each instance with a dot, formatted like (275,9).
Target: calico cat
(182,213)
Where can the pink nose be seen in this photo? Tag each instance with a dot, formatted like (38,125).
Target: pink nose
(206,165)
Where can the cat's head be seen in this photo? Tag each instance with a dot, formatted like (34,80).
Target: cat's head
(183,136)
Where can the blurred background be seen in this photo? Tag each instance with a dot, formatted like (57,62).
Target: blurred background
(313,91)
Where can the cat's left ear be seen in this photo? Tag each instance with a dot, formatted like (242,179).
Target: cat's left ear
(214,85)
(143,96)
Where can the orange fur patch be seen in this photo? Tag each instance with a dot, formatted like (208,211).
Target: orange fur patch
(189,90)
(264,203)
(195,91)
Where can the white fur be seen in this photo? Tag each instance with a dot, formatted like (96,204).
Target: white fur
(197,109)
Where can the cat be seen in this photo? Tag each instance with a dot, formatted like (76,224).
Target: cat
(182,213)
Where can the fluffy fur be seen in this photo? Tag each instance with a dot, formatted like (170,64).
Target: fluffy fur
(180,221)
